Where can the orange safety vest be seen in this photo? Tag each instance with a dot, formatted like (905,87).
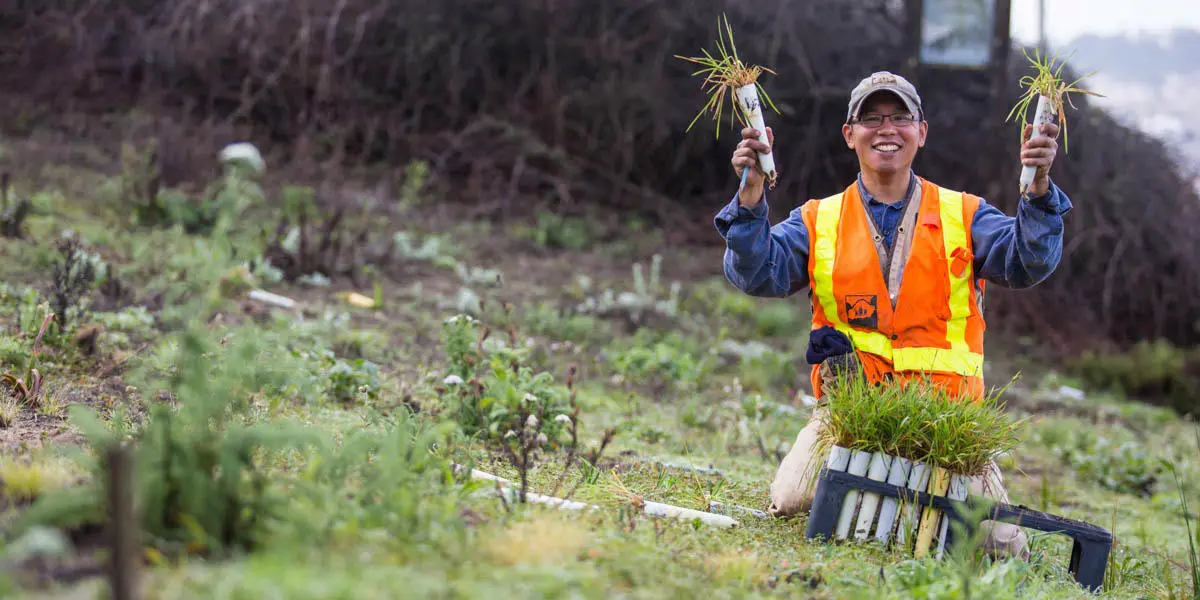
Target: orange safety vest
(926,318)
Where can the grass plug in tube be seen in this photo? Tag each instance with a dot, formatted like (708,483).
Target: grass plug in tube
(726,76)
(1052,95)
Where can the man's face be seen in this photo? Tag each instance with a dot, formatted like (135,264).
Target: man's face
(889,148)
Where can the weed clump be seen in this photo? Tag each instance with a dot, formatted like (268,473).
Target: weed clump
(493,393)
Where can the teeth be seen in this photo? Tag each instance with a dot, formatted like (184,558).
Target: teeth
(887,147)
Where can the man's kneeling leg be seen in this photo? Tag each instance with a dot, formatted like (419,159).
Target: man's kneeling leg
(793,488)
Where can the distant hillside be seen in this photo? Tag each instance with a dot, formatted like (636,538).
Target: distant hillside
(1151,82)
(1142,59)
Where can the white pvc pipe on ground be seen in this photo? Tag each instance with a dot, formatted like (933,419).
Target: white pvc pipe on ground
(654,509)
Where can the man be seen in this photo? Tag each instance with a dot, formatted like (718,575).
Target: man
(895,266)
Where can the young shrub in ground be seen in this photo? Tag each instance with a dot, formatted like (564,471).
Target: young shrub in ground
(74,273)
(491,390)
(199,471)
(410,493)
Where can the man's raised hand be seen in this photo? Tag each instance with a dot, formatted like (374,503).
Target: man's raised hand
(746,157)
(1040,152)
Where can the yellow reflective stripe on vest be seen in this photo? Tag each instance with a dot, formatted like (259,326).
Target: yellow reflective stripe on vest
(824,251)
(962,362)
(959,358)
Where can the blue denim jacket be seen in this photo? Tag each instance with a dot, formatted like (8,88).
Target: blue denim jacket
(1012,252)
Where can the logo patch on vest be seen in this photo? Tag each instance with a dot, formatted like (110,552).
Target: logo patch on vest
(862,310)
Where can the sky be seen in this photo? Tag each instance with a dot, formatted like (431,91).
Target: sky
(1069,19)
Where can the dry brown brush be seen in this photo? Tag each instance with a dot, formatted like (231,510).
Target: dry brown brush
(580,103)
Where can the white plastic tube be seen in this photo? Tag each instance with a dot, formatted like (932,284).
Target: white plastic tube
(1041,117)
(273,299)
(859,461)
(877,471)
(658,509)
(918,481)
(653,509)
(897,475)
(839,459)
(748,99)
(958,491)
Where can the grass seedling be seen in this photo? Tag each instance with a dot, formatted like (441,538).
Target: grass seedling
(918,421)
(726,73)
(1052,95)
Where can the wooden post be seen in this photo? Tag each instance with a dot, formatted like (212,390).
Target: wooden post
(1001,48)
(122,524)
(913,14)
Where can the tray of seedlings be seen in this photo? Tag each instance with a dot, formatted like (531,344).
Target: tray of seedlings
(902,461)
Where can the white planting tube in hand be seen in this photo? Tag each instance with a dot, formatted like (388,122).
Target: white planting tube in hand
(1041,117)
(747,96)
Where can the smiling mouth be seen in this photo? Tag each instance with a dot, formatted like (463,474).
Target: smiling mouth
(887,148)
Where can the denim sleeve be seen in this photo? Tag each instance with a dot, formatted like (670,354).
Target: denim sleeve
(1022,251)
(762,260)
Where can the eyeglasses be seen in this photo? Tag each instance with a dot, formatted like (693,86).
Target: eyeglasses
(876,121)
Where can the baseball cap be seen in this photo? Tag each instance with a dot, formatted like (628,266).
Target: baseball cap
(884,81)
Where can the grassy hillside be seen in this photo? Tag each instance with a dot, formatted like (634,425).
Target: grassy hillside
(310,452)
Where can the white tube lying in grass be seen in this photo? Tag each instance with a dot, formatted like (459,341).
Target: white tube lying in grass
(658,509)
(720,508)
(918,481)
(512,492)
(958,491)
(654,509)
(748,99)
(1041,117)
(273,299)
(858,466)
(877,471)
(897,475)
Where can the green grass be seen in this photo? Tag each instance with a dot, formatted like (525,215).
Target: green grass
(919,422)
(687,410)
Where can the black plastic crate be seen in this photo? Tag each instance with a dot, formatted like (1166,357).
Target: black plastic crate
(1089,555)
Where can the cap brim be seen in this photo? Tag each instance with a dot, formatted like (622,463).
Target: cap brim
(895,91)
